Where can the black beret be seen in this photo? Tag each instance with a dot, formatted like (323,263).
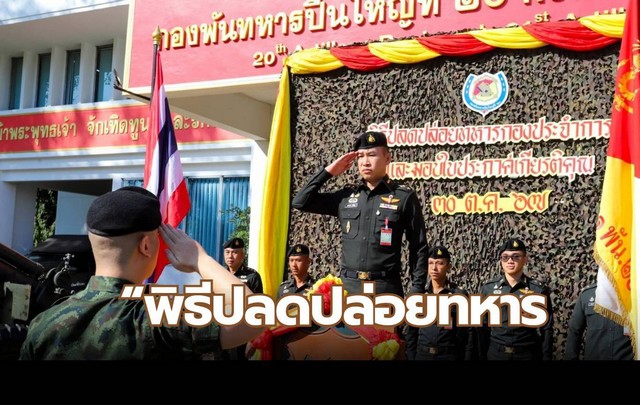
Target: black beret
(439,252)
(298,250)
(234,243)
(123,211)
(370,140)
(513,244)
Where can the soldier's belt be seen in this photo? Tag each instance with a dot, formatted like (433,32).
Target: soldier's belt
(366,275)
(514,349)
(437,349)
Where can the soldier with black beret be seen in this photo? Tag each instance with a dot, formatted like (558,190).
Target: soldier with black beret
(300,280)
(603,338)
(435,342)
(374,216)
(234,255)
(515,342)
(96,324)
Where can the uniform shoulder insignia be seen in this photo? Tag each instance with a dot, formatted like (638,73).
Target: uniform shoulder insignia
(536,282)
(493,280)
(589,287)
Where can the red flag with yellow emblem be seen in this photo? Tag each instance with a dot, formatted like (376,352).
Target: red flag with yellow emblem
(618,228)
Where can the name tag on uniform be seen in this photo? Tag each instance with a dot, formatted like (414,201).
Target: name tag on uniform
(389,206)
(385,237)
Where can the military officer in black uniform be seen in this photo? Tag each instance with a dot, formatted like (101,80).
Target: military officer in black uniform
(234,255)
(373,216)
(234,259)
(515,342)
(435,342)
(300,280)
(604,340)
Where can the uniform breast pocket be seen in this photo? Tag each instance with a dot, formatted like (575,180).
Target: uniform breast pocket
(594,319)
(349,223)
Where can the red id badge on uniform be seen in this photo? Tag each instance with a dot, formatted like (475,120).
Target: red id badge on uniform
(385,237)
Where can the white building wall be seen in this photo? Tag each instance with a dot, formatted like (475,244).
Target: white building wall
(29,80)
(256,185)
(69,209)
(87,72)
(5,77)
(23,219)
(57,76)
(8,204)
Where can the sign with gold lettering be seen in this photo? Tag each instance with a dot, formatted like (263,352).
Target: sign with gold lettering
(95,127)
(228,39)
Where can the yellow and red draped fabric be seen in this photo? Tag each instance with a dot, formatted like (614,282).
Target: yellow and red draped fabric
(617,243)
(584,34)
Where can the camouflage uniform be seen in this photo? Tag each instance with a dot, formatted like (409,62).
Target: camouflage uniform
(95,324)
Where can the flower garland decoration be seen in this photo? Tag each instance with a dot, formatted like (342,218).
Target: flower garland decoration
(383,345)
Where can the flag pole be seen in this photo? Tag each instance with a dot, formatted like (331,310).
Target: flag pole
(157,37)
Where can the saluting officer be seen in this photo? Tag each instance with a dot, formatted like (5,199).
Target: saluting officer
(300,280)
(433,342)
(604,340)
(515,342)
(373,216)
(234,259)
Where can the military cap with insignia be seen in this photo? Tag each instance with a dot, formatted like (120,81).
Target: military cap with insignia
(233,243)
(124,211)
(298,250)
(370,139)
(439,252)
(513,244)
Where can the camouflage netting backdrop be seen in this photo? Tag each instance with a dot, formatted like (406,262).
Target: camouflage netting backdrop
(329,110)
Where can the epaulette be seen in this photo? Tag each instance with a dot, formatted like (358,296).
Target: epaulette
(594,285)
(405,188)
(351,186)
(535,281)
(493,280)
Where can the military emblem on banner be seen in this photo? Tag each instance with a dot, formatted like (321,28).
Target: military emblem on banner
(486,92)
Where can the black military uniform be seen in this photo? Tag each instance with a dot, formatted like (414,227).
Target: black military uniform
(290,286)
(246,274)
(250,277)
(515,343)
(604,340)
(253,280)
(435,342)
(372,223)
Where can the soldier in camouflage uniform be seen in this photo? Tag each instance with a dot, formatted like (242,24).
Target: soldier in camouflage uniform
(94,324)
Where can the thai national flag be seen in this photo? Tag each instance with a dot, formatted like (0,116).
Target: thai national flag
(162,169)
